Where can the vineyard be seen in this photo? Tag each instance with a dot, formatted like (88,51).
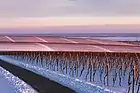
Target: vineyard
(114,70)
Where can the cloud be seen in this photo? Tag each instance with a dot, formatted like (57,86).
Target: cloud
(44,8)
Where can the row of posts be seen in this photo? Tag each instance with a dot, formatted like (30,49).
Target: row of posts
(109,69)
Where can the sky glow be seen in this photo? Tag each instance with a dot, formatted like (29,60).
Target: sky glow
(56,13)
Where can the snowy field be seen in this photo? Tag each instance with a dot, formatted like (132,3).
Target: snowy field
(11,84)
(77,84)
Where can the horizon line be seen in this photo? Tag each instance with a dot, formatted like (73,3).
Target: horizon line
(67,21)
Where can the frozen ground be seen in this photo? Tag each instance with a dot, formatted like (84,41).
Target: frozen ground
(5,86)
(78,85)
(11,84)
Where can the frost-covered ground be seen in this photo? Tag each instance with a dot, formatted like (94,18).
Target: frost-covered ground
(5,86)
(11,84)
(79,85)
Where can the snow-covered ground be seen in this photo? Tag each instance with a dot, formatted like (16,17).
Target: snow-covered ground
(11,84)
(5,86)
(79,85)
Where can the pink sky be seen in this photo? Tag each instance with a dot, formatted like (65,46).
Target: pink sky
(74,29)
(56,16)
(66,21)
(70,25)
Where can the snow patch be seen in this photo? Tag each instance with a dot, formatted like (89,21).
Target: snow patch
(19,85)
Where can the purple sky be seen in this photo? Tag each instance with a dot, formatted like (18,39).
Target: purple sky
(75,29)
(43,8)
(18,9)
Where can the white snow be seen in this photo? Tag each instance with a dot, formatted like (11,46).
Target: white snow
(5,86)
(78,85)
(11,84)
